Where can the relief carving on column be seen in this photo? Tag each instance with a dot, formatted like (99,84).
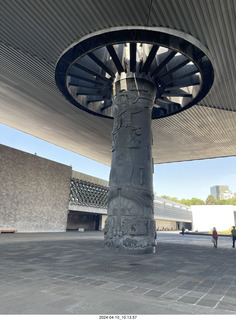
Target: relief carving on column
(125,227)
(141,198)
(130,221)
(134,140)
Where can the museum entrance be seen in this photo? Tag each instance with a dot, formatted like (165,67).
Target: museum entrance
(86,221)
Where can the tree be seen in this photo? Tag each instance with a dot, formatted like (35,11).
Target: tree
(196,201)
(232,201)
(186,202)
(166,197)
(222,202)
(210,200)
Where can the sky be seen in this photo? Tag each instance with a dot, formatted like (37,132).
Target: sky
(183,180)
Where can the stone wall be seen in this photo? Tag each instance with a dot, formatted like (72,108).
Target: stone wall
(34,192)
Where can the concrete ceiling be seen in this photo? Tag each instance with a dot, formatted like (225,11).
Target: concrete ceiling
(34,33)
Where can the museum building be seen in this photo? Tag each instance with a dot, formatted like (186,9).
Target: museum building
(40,195)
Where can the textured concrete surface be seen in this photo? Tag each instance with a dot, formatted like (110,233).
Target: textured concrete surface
(34,192)
(71,273)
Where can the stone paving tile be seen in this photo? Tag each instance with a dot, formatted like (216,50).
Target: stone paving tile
(98,283)
(69,284)
(66,277)
(226,280)
(187,271)
(201,289)
(145,280)
(28,270)
(228,299)
(179,291)
(189,285)
(9,279)
(174,294)
(139,290)
(207,302)
(215,297)
(219,289)
(125,288)
(118,273)
(154,293)
(195,294)
(111,285)
(86,281)
(170,296)
(144,285)
(59,290)
(159,282)
(76,278)
(226,306)
(188,299)
(231,291)
(62,303)
(208,283)
(143,277)
(14,279)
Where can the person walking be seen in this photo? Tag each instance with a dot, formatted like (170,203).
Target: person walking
(233,235)
(214,237)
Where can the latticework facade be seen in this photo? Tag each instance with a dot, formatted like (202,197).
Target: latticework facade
(88,194)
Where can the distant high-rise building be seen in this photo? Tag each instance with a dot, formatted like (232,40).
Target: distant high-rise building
(217,190)
(221,192)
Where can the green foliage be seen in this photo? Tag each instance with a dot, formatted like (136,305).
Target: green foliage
(223,232)
(232,201)
(186,202)
(222,202)
(166,197)
(195,201)
(226,202)
(210,200)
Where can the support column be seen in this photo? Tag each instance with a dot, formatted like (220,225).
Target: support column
(130,225)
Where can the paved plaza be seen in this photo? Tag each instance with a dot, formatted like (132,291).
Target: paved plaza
(71,273)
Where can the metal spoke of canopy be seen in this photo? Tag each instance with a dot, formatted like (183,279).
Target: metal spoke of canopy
(181,72)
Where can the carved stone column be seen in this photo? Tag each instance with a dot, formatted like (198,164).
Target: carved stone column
(153,74)
(130,225)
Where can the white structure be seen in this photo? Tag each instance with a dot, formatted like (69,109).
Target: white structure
(207,217)
(226,195)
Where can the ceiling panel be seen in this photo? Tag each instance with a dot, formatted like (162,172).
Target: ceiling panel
(34,33)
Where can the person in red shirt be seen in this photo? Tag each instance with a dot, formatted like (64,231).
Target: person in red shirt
(215,237)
